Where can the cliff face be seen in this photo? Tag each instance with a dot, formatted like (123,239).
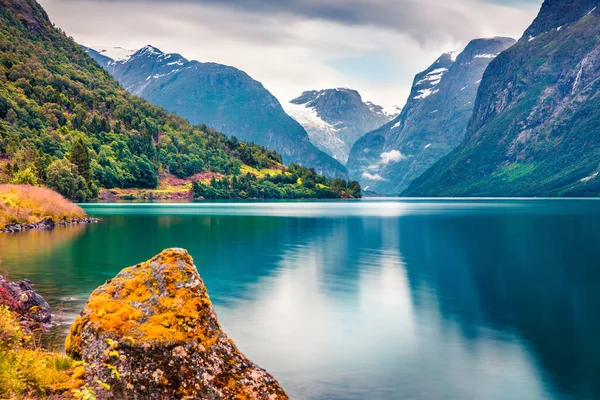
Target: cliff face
(433,122)
(152,333)
(535,126)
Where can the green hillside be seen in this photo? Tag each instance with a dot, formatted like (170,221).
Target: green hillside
(67,124)
(535,129)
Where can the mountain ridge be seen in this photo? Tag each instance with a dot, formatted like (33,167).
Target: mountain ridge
(336,118)
(66,123)
(432,123)
(220,96)
(534,127)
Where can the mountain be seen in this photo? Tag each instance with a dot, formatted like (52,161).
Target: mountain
(336,118)
(222,97)
(535,129)
(67,123)
(432,123)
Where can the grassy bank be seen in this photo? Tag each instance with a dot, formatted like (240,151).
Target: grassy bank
(27,371)
(29,204)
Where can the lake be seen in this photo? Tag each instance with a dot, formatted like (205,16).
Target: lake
(371,299)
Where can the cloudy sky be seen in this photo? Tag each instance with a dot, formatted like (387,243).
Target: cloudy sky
(374,46)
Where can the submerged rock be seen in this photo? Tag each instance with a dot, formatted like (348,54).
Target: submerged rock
(152,333)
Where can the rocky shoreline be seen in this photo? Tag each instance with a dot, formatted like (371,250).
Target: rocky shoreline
(21,298)
(149,333)
(47,223)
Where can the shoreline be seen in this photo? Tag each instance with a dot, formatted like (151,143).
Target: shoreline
(47,223)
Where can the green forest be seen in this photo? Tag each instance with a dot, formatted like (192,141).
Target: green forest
(297,183)
(66,124)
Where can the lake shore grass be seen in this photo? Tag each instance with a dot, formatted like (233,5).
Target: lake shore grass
(29,204)
(28,371)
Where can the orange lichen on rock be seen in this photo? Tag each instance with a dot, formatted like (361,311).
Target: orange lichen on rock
(151,332)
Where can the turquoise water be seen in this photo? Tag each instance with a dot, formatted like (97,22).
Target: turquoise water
(373,299)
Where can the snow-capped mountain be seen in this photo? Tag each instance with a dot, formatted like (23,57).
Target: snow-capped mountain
(432,123)
(336,118)
(219,96)
(535,127)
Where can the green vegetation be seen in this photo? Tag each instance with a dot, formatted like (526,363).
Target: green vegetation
(515,171)
(66,123)
(27,371)
(296,183)
(543,140)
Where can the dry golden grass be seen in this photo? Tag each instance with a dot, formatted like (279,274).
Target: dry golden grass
(23,203)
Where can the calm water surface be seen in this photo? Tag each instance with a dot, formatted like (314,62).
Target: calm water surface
(375,299)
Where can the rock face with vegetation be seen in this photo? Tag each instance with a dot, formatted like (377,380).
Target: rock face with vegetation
(535,129)
(219,96)
(432,123)
(152,333)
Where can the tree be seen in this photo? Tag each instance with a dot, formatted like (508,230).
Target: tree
(80,156)
(25,177)
(64,178)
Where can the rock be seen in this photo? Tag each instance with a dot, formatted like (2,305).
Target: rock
(22,298)
(152,333)
(46,223)
(12,228)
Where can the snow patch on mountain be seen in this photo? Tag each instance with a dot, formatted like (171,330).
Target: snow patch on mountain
(115,53)
(424,93)
(434,77)
(307,116)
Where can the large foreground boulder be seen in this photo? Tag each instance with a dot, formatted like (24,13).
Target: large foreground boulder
(152,333)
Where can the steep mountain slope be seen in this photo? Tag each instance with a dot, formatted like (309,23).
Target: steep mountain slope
(433,122)
(222,97)
(66,123)
(535,129)
(336,118)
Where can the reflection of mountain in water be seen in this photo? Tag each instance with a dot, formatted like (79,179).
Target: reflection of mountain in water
(370,301)
(533,275)
(340,317)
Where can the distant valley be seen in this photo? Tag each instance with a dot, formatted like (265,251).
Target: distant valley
(432,123)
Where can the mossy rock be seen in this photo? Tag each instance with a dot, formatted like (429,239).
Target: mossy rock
(152,333)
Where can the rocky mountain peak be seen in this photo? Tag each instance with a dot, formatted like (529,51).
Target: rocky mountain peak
(533,130)
(336,118)
(557,13)
(148,50)
(485,48)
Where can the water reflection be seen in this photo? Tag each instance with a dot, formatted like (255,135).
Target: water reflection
(371,300)
(361,337)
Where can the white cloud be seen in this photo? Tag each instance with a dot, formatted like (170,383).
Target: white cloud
(373,177)
(295,49)
(391,157)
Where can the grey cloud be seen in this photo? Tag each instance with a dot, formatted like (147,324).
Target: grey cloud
(423,20)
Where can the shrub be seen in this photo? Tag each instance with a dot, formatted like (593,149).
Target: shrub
(25,177)
(23,203)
